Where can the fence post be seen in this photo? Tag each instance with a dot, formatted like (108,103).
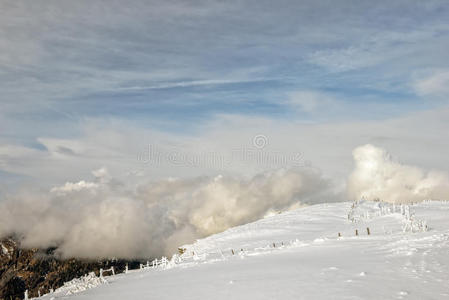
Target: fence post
(356,232)
(232,251)
(367,230)
(339,234)
(164,261)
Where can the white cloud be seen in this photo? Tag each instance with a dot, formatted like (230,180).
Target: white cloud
(123,148)
(434,86)
(192,83)
(70,187)
(111,219)
(378,176)
(376,47)
(311,101)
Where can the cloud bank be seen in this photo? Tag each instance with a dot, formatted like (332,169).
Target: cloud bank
(107,218)
(378,176)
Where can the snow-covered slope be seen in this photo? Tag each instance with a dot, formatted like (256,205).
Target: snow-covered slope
(299,255)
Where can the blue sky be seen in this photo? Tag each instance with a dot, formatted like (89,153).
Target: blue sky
(173,72)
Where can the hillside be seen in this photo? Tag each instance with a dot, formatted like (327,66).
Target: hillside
(39,270)
(299,255)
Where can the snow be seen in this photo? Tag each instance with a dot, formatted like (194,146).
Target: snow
(4,249)
(77,285)
(299,255)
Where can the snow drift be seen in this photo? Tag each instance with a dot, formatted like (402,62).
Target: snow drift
(378,176)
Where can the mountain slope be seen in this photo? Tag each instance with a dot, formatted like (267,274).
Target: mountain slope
(39,271)
(298,255)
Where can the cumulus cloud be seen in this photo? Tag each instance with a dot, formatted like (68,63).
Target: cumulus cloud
(106,218)
(378,176)
(70,187)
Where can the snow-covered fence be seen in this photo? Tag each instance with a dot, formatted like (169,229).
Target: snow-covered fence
(357,233)
(163,262)
(410,222)
(111,269)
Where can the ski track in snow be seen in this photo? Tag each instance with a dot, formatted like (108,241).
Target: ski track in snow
(298,255)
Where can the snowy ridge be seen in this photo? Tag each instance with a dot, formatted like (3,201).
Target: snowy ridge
(312,252)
